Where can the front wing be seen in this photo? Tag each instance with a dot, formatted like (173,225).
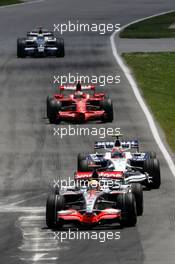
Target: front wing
(80,116)
(89,218)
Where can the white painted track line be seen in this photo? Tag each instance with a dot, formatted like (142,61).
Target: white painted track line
(137,94)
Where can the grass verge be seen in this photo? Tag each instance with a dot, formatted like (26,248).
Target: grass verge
(9,2)
(155,75)
(157,27)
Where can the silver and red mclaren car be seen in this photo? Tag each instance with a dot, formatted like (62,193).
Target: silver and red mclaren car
(97,198)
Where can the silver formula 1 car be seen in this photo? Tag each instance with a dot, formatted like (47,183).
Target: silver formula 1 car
(40,43)
(95,201)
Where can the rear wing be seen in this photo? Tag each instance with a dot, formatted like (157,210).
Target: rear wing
(130,144)
(104,144)
(36,34)
(74,87)
(102,174)
(40,30)
(111,144)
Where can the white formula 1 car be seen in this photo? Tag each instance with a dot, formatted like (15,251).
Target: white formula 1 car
(40,43)
(136,166)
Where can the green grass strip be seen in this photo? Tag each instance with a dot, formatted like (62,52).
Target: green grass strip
(157,27)
(9,2)
(155,75)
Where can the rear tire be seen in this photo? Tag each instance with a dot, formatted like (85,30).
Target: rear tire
(107,106)
(83,166)
(80,158)
(152,167)
(54,204)
(151,154)
(127,204)
(138,193)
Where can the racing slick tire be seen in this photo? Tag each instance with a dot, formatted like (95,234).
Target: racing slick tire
(60,46)
(53,108)
(151,154)
(137,190)
(80,158)
(152,167)
(48,102)
(21,48)
(83,166)
(54,204)
(127,204)
(107,106)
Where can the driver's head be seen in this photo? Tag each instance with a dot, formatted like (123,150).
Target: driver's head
(94,185)
(40,31)
(78,87)
(117,153)
(78,93)
(117,143)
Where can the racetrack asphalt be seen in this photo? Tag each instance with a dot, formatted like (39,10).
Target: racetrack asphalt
(31,157)
(146,45)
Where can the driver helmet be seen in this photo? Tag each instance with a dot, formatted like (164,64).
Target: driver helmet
(40,31)
(117,143)
(94,185)
(78,93)
(78,87)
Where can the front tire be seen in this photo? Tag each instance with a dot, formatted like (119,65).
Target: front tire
(54,204)
(21,48)
(48,102)
(127,204)
(53,108)
(137,190)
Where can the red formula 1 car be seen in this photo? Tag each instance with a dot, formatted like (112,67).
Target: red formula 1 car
(92,202)
(79,107)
